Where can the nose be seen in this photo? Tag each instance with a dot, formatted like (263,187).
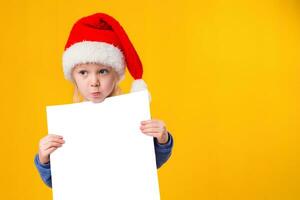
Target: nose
(95,81)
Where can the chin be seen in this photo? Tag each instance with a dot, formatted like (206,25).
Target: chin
(97,100)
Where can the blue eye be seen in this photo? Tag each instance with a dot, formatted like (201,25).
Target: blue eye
(103,71)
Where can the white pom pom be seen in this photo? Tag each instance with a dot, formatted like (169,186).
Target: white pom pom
(139,85)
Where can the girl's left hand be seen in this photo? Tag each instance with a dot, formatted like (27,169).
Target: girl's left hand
(155,128)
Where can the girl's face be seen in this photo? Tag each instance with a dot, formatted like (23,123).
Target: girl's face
(95,82)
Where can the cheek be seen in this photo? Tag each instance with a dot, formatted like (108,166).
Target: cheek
(82,85)
(108,84)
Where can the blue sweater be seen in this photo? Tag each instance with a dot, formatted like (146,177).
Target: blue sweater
(162,153)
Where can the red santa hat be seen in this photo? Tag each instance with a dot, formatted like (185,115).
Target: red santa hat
(99,38)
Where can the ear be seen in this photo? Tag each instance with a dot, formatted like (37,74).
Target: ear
(120,77)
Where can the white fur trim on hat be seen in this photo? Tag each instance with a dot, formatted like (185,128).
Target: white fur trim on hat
(139,85)
(93,52)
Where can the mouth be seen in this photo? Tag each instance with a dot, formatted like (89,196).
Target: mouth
(95,94)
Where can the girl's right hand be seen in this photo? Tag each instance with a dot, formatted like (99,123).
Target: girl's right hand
(47,145)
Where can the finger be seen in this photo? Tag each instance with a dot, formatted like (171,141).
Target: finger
(150,126)
(146,121)
(54,139)
(151,130)
(50,150)
(153,122)
(54,136)
(50,145)
(59,140)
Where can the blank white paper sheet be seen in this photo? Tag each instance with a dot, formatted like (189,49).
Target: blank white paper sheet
(106,156)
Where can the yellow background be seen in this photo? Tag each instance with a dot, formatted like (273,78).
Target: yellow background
(224,76)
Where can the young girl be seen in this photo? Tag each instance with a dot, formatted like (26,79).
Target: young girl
(94,60)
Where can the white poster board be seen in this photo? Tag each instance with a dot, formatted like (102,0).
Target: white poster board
(105,155)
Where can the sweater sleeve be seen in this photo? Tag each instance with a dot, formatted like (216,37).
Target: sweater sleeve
(44,171)
(163,151)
